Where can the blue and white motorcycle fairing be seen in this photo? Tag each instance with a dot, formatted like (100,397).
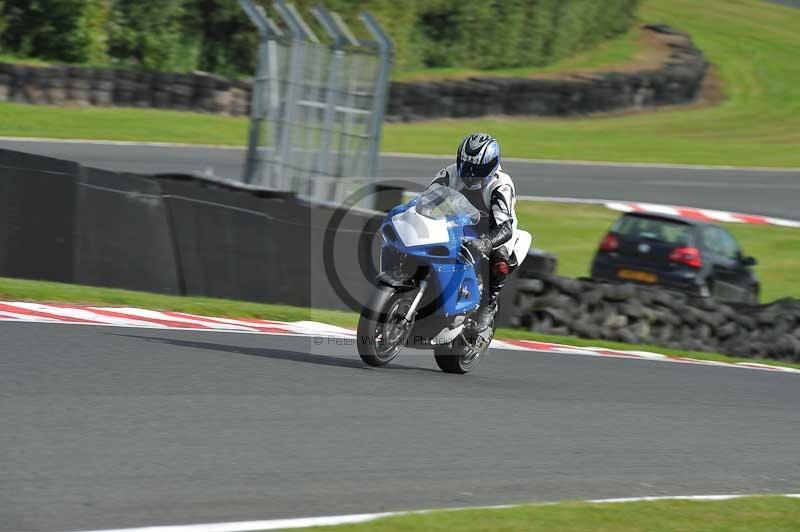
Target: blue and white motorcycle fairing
(428,283)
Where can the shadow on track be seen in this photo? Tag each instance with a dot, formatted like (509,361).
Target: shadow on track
(277,354)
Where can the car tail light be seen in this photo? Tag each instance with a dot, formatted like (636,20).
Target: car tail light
(609,243)
(688,256)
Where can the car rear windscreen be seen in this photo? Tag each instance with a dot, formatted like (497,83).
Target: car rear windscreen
(660,229)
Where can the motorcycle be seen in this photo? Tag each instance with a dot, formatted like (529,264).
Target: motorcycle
(429,284)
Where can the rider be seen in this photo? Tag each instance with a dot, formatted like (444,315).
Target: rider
(477,175)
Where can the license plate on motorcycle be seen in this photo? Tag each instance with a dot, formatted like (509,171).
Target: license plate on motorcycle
(636,275)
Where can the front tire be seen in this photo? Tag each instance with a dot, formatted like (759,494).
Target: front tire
(382,329)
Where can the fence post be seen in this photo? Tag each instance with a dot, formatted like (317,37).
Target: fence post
(386,48)
(342,37)
(300,35)
(253,163)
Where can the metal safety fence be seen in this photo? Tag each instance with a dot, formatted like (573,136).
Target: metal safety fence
(318,103)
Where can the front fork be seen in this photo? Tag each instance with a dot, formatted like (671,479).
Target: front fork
(412,310)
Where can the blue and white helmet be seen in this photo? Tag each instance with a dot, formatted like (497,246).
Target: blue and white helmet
(478,157)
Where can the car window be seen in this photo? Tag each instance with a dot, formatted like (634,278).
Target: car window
(638,228)
(720,242)
(730,248)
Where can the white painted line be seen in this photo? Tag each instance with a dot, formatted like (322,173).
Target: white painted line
(83,314)
(12,316)
(255,526)
(155,315)
(727,217)
(622,207)
(5,317)
(688,498)
(631,206)
(785,223)
(305,522)
(563,199)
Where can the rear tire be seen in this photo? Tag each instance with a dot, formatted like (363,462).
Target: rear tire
(379,338)
(459,356)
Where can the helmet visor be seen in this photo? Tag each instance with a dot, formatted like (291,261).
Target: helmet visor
(473,173)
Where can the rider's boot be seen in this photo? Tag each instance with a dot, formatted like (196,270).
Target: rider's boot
(482,319)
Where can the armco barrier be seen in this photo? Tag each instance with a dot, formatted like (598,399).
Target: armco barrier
(37,216)
(233,244)
(121,236)
(635,314)
(342,247)
(178,235)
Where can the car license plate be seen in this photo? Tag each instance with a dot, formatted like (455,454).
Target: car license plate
(636,275)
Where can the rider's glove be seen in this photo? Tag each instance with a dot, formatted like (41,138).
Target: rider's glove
(478,247)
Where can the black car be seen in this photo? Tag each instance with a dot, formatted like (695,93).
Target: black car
(690,255)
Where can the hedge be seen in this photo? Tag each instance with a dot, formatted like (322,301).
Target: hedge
(215,36)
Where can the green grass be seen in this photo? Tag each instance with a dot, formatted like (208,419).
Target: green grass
(20,120)
(572,231)
(44,291)
(765,514)
(754,44)
(611,53)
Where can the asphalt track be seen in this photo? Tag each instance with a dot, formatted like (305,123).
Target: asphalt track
(107,427)
(766,192)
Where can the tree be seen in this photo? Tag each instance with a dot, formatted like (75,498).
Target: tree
(225,37)
(3,22)
(58,30)
(148,34)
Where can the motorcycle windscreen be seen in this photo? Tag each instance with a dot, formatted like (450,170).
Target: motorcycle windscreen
(438,202)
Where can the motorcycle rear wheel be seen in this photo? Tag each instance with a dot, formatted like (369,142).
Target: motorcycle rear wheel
(382,329)
(459,356)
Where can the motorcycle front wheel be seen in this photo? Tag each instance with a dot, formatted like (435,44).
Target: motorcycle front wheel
(382,328)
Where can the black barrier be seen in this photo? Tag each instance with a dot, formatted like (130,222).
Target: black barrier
(343,251)
(181,235)
(122,234)
(175,234)
(233,244)
(28,161)
(37,217)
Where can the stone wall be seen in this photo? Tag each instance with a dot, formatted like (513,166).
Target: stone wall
(636,314)
(87,86)
(679,80)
